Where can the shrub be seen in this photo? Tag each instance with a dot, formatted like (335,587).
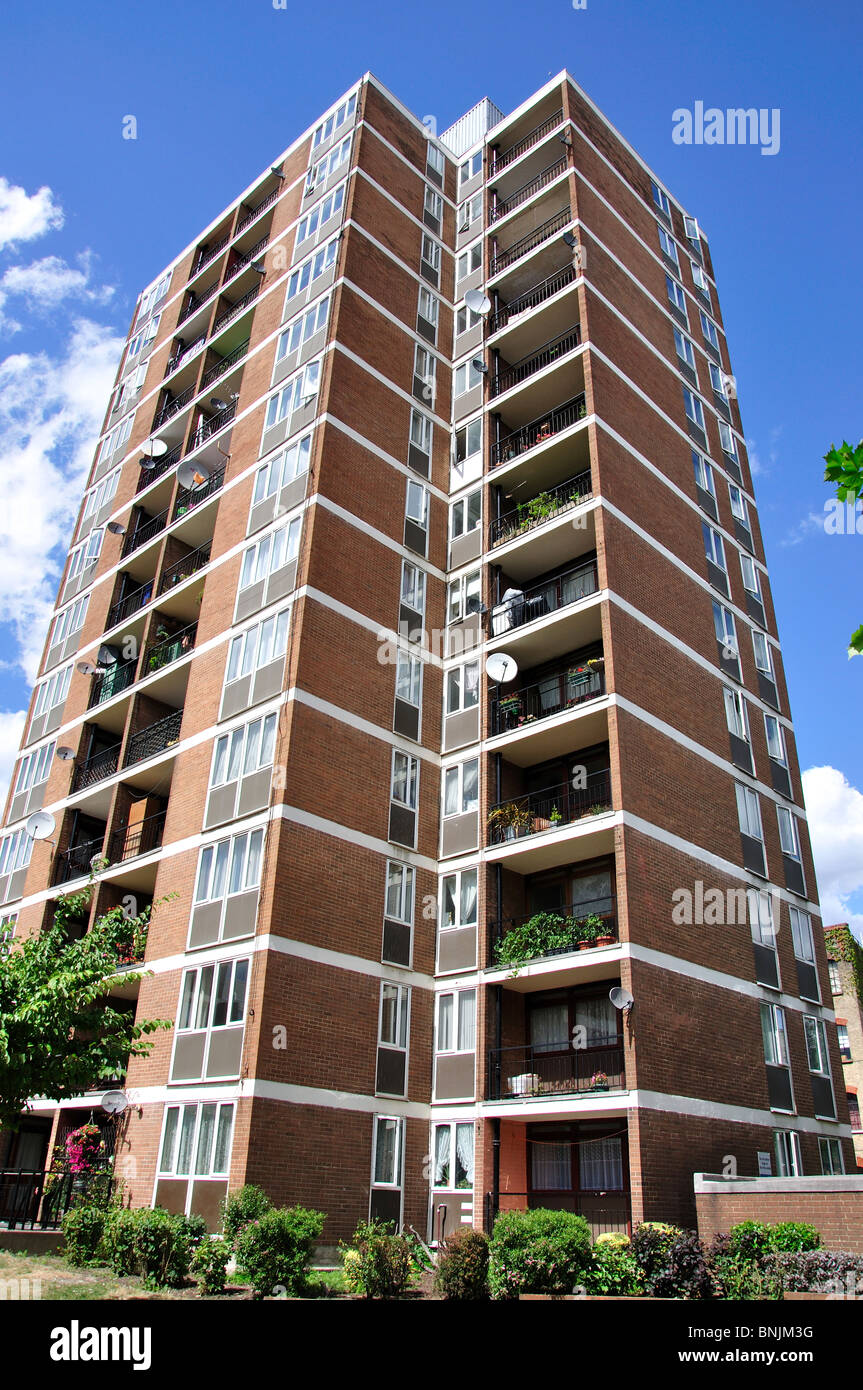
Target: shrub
(737,1278)
(672,1262)
(273,1250)
(383,1265)
(209,1263)
(537,1251)
(818,1271)
(794,1235)
(352,1271)
(751,1240)
(241,1208)
(651,1246)
(152,1243)
(82,1234)
(462,1271)
(613,1268)
(618,1238)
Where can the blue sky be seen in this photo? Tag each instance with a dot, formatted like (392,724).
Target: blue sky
(218,89)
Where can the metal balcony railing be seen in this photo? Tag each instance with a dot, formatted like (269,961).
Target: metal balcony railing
(527,516)
(528,243)
(550,809)
(35,1200)
(572,685)
(149,742)
(209,253)
(526,142)
(234,309)
(144,532)
(96,768)
(128,842)
(187,498)
(527,190)
(195,302)
(535,361)
(111,682)
(572,914)
(185,351)
(223,365)
(543,290)
(255,212)
(129,604)
(76,862)
(525,605)
(520,1073)
(242,261)
(172,407)
(538,431)
(181,570)
(160,466)
(170,648)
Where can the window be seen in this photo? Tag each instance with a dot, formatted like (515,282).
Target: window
(321,171)
(816,1045)
(830,1153)
(303,328)
(750,575)
(465,319)
(660,198)
(787,1148)
(409,678)
(213,996)
(761,923)
(413,587)
(271,553)
(257,646)
(775,740)
(405,779)
(400,892)
(100,494)
(726,439)
(739,509)
(453,1156)
(668,247)
(459,900)
(70,621)
(464,596)
(153,295)
(394,1011)
(774,1034)
(465,515)
(693,407)
(676,295)
(456,1021)
(417,504)
(470,168)
(425,370)
(469,211)
(844,1041)
(749,812)
(789,836)
(421,432)
(685,349)
(723,624)
(469,261)
(461,788)
(143,337)
(282,468)
(853,1109)
(428,306)
(835,977)
(468,441)
(467,376)
(34,768)
(113,441)
(801,935)
(307,273)
(435,159)
(708,328)
(52,692)
(433,204)
(84,555)
(229,866)
(300,390)
(196,1140)
(430,253)
(334,121)
(15,851)
(699,279)
(320,214)
(703,474)
(690,227)
(736,714)
(462,687)
(714,548)
(761,648)
(388,1146)
(243,751)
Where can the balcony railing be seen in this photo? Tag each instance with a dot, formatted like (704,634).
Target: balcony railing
(604,1212)
(545,289)
(111,682)
(185,351)
(538,431)
(195,302)
(96,768)
(527,516)
(36,1200)
(168,649)
(527,190)
(234,309)
(562,690)
(149,742)
(129,604)
(519,1073)
(528,243)
(128,842)
(187,498)
(526,142)
(223,365)
(536,361)
(144,532)
(160,466)
(242,261)
(567,920)
(552,808)
(76,862)
(209,253)
(181,570)
(524,606)
(255,212)
(173,406)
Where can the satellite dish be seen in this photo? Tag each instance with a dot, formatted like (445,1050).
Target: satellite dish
(570,240)
(87,668)
(479,366)
(66,755)
(217,403)
(501,668)
(115,1102)
(621,998)
(116,528)
(154,449)
(107,655)
(192,475)
(477,302)
(40,825)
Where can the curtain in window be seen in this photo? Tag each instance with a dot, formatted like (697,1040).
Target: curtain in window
(593,890)
(549,694)
(464,1155)
(468,897)
(601,1165)
(467,1021)
(550,1169)
(549,1028)
(441,1155)
(599,1018)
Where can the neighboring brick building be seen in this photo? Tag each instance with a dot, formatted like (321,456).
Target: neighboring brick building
(845,966)
(421,401)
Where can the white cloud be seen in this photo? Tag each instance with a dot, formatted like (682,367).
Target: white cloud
(757,466)
(46,283)
(50,413)
(11,729)
(835,811)
(812,522)
(23,216)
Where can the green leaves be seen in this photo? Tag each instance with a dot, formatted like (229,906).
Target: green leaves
(845,469)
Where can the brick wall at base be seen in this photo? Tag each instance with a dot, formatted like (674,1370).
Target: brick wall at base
(836,1212)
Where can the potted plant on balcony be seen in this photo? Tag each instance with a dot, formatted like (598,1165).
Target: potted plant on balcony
(510,820)
(604,937)
(554,816)
(541,934)
(510,706)
(599,1081)
(586,930)
(596,663)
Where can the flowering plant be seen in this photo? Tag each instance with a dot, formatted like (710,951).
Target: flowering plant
(599,1081)
(85,1149)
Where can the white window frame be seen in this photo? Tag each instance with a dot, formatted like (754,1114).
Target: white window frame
(676,295)
(726,439)
(226,1108)
(409,678)
(246,749)
(15,851)
(703,473)
(714,546)
(464,596)
(466,376)
(694,408)
(468,261)
(413,588)
(462,687)
(668,246)
(456,776)
(239,850)
(786,1147)
(460,512)
(789,833)
(303,327)
(685,348)
(34,768)
(421,432)
(458,888)
(417,504)
(470,168)
(802,936)
(736,713)
(699,279)
(301,389)
(256,646)
(762,654)
(749,575)
(829,1151)
(660,198)
(450,1034)
(401,1015)
(320,213)
(400,878)
(311,269)
(271,553)
(452,1128)
(282,468)
(411,780)
(749,812)
(774,1034)
(775,736)
(321,170)
(394,1182)
(709,330)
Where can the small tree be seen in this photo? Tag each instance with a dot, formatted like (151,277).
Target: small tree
(60,1032)
(845,469)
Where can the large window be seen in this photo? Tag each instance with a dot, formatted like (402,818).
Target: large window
(229,866)
(461,788)
(409,678)
(462,687)
(749,575)
(394,1015)
(693,407)
(801,935)
(69,621)
(151,297)
(774,1035)
(761,650)
(726,439)
(789,835)
(787,1147)
(676,295)
(388,1151)
(196,1140)
(303,328)
(459,900)
(685,349)
(464,596)
(816,1045)
(660,198)
(456,1021)
(469,261)
(413,586)
(405,779)
(749,811)
(244,750)
(699,280)
(714,548)
(213,996)
(334,121)
(470,168)
(430,255)
(321,213)
(467,376)
(322,170)
(84,555)
(52,692)
(115,440)
(300,390)
(257,646)
(15,851)
(736,713)
(421,432)
(830,1153)
(775,735)
(723,623)
(428,307)
(468,441)
(34,768)
(668,247)
(96,498)
(453,1156)
(417,504)
(275,550)
(143,338)
(282,468)
(708,328)
(465,514)
(308,272)
(400,892)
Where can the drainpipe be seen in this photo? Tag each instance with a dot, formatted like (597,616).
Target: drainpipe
(495,1168)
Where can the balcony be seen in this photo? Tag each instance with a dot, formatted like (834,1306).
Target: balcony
(528,1073)
(131,841)
(516,942)
(532,298)
(528,516)
(189,498)
(550,809)
(145,530)
(224,364)
(527,190)
(502,260)
(150,742)
(539,431)
(169,648)
(522,606)
(527,142)
(604,1212)
(536,361)
(172,407)
(182,353)
(77,861)
(196,302)
(96,768)
(183,569)
(209,253)
(256,212)
(558,692)
(160,466)
(129,604)
(246,259)
(111,682)
(233,310)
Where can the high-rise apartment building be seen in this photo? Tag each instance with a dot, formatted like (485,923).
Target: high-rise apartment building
(415,654)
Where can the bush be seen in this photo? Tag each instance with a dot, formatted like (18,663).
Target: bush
(616,1238)
(273,1250)
(153,1244)
(613,1268)
(383,1266)
(462,1270)
(751,1240)
(82,1234)
(538,1251)
(209,1263)
(818,1271)
(241,1208)
(672,1262)
(352,1270)
(737,1278)
(651,1246)
(794,1235)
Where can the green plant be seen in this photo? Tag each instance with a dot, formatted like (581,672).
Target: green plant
(462,1270)
(82,1234)
(514,815)
(382,1268)
(154,1244)
(538,936)
(751,1240)
(613,1270)
(537,1251)
(554,816)
(737,1278)
(209,1265)
(352,1271)
(794,1235)
(274,1249)
(240,1208)
(672,1262)
(845,469)
(843,945)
